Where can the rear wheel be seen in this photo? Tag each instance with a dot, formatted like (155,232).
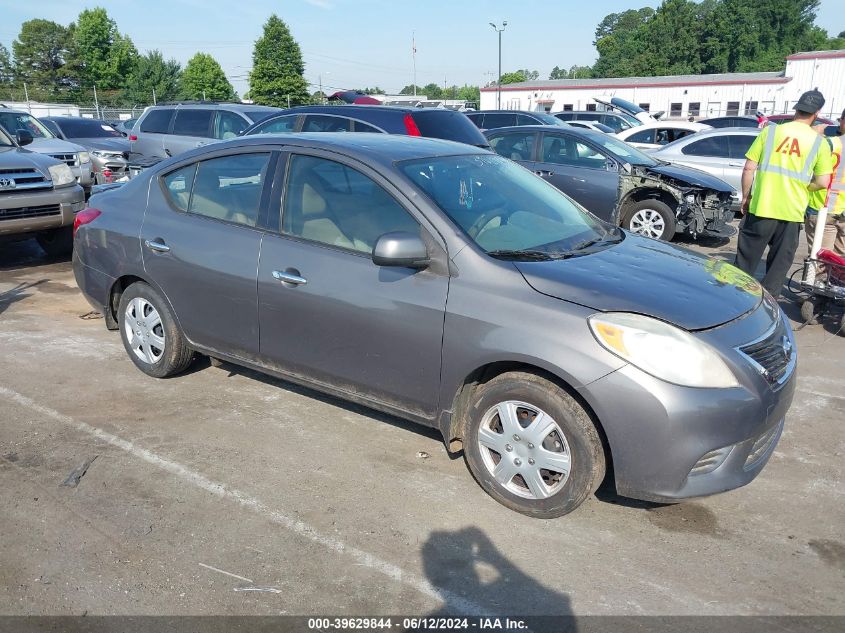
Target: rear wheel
(531,446)
(150,334)
(808,312)
(650,218)
(56,242)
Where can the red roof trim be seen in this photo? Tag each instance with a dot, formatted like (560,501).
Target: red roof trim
(733,82)
(817,55)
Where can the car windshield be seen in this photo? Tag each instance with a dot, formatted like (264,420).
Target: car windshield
(14,121)
(5,141)
(88,128)
(633,121)
(625,152)
(548,119)
(505,209)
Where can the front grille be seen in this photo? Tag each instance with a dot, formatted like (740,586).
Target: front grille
(710,461)
(22,179)
(763,445)
(71,160)
(773,355)
(20,213)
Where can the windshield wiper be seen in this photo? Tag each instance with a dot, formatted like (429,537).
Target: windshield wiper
(524,255)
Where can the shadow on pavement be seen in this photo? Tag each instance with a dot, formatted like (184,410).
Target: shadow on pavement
(21,254)
(18,293)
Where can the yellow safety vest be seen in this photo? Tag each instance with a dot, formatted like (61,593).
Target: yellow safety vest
(818,198)
(836,201)
(786,164)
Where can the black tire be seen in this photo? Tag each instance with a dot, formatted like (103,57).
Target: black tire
(176,355)
(663,209)
(808,312)
(580,437)
(56,242)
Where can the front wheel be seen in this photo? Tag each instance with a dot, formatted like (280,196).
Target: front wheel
(650,218)
(150,334)
(531,446)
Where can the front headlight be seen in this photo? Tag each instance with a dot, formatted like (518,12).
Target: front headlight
(662,350)
(84,158)
(100,153)
(61,175)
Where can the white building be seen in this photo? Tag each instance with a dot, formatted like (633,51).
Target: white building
(690,95)
(37,109)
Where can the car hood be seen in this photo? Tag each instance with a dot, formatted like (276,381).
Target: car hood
(54,146)
(18,158)
(648,277)
(108,144)
(689,175)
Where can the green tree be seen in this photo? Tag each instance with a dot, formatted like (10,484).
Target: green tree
(471,94)
(558,73)
(105,57)
(409,90)
(619,41)
(432,91)
(7,73)
(153,75)
(204,78)
(277,77)
(41,52)
(514,77)
(530,75)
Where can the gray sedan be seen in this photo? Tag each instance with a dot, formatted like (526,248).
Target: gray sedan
(720,152)
(108,148)
(448,285)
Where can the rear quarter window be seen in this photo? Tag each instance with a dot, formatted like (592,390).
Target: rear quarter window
(193,122)
(157,121)
(449,125)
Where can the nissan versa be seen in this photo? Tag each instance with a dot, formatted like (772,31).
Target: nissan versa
(452,287)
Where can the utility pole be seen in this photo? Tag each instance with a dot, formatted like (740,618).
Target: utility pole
(203,95)
(26,94)
(96,103)
(499,83)
(288,101)
(414,55)
(154,97)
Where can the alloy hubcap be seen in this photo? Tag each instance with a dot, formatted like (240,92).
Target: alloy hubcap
(649,223)
(144,331)
(524,449)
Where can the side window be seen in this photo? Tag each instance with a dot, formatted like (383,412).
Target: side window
(157,121)
(360,126)
(493,121)
(515,146)
(52,127)
(179,184)
(644,136)
(323,123)
(333,204)
(229,188)
(282,124)
(190,122)
(615,123)
(716,146)
(228,124)
(565,150)
(524,119)
(739,144)
(476,118)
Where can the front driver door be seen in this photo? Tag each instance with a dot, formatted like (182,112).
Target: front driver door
(581,171)
(327,312)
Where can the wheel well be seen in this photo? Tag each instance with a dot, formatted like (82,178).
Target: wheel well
(638,195)
(117,289)
(463,399)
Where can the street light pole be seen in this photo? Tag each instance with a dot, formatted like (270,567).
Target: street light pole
(499,83)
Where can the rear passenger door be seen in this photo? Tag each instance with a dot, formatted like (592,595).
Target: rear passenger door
(200,241)
(152,131)
(327,312)
(191,128)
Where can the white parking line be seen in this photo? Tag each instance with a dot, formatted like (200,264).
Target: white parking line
(458,603)
(225,572)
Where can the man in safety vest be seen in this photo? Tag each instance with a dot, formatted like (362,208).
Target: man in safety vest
(833,238)
(785,163)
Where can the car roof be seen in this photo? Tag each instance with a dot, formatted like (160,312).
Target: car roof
(575,131)
(607,112)
(352,108)
(212,104)
(731,116)
(60,119)
(383,149)
(509,112)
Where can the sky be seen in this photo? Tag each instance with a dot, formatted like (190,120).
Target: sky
(365,43)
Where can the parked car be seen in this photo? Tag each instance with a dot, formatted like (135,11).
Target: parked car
(39,196)
(731,121)
(125,126)
(659,133)
(108,148)
(429,122)
(361,241)
(617,121)
(786,118)
(620,184)
(168,130)
(45,142)
(720,152)
(616,104)
(591,125)
(492,119)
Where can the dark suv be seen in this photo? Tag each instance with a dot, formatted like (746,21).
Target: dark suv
(431,122)
(494,119)
(617,121)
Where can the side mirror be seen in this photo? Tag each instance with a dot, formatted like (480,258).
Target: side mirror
(401,249)
(24,137)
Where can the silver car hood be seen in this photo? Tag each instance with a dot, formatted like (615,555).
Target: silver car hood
(17,158)
(54,146)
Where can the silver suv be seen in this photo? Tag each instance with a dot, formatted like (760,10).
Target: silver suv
(43,141)
(38,196)
(168,130)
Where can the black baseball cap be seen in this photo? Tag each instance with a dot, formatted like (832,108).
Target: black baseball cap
(811,102)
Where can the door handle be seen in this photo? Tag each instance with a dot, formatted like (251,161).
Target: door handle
(157,246)
(543,172)
(576,179)
(289,278)
(736,164)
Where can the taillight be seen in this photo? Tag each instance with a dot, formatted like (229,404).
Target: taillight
(133,137)
(411,126)
(84,217)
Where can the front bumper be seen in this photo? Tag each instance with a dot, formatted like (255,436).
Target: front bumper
(36,211)
(114,165)
(670,442)
(84,175)
(712,221)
